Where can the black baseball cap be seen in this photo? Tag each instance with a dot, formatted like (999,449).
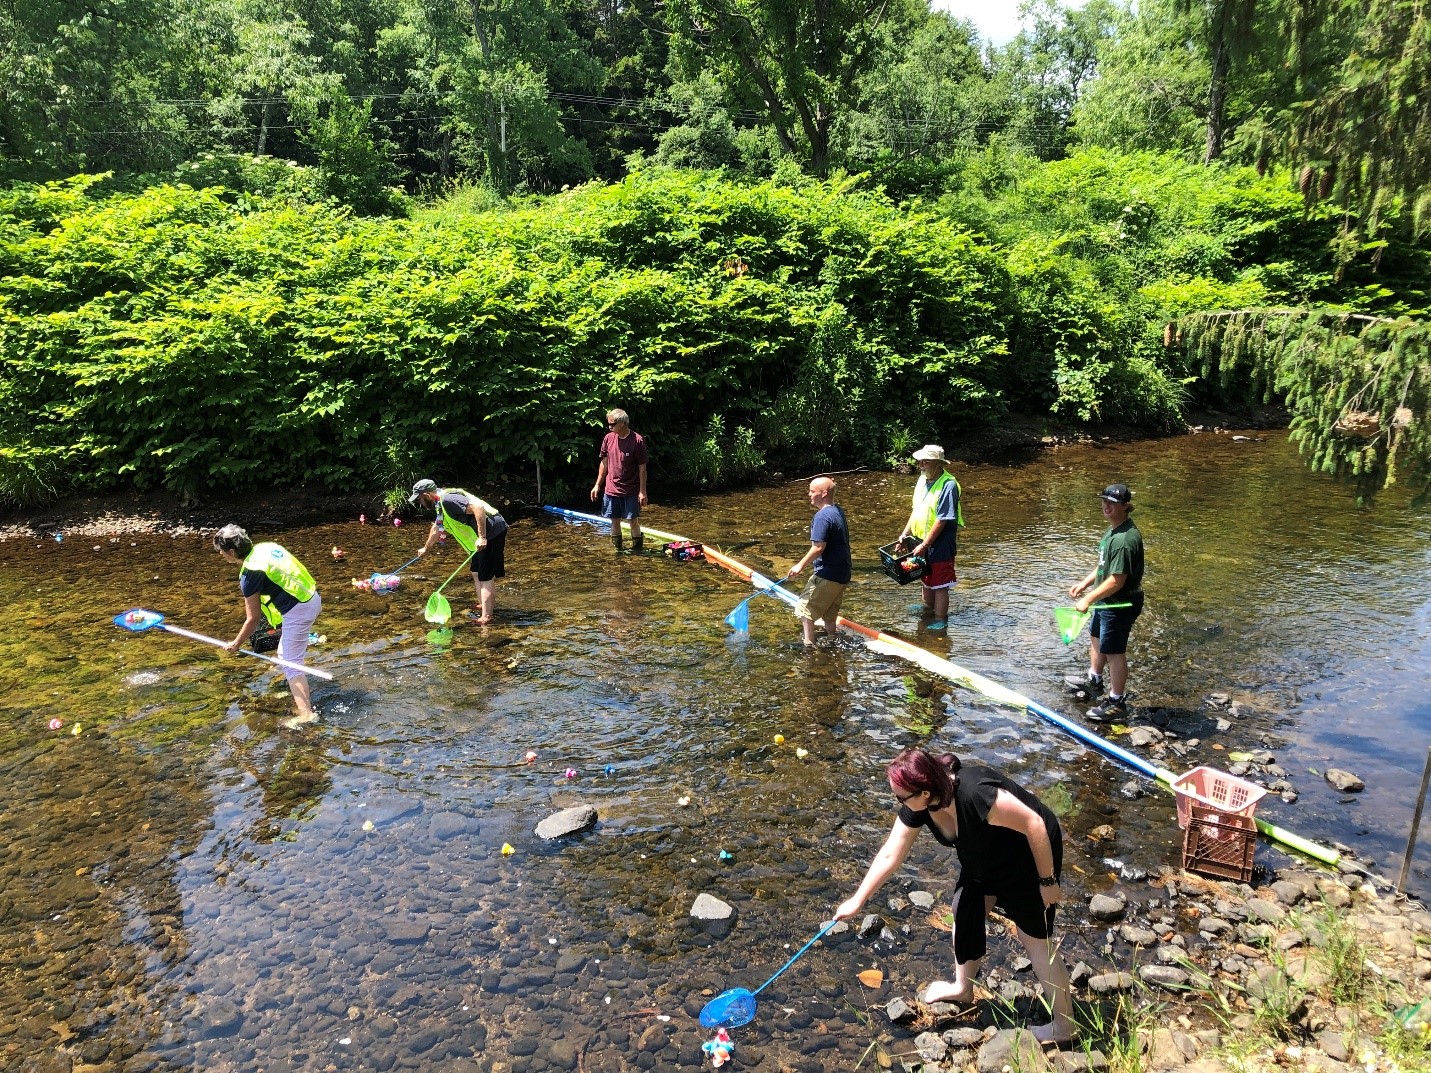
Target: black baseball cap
(1117,493)
(422,487)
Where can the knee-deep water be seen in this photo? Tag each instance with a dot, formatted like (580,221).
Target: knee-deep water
(186,886)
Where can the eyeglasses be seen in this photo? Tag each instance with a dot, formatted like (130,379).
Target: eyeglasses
(906,797)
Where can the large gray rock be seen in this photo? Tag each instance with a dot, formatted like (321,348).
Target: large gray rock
(1344,781)
(567,822)
(1108,982)
(1017,1048)
(1168,976)
(931,1046)
(712,915)
(446,825)
(1107,906)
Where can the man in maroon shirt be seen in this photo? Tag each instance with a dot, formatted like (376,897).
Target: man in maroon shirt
(623,467)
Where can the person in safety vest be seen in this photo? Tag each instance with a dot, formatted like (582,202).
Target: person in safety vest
(933,529)
(478,528)
(278,589)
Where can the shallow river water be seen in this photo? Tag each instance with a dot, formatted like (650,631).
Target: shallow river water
(186,886)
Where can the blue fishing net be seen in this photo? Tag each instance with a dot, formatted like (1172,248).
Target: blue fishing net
(729,1009)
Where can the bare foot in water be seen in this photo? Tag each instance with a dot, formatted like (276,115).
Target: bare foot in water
(944,991)
(302,719)
(1053,1033)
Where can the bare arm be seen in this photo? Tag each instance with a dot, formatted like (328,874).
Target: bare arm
(641,497)
(252,614)
(886,863)
(1010,812)
(1111,584)
(1077,587)
(817,548)
(601,476)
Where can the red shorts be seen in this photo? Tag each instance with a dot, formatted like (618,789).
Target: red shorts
(941,575)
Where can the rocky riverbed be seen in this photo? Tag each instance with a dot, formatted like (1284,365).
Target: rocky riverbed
(1304,971)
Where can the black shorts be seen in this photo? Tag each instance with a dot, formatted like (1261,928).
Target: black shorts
(491,561)
(1111,626)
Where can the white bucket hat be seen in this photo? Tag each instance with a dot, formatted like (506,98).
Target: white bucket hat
(930,452)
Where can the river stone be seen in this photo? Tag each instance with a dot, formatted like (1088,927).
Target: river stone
(1107,907)
(921,899)
(1168,976)
(221,1019)
(931,1046)
(1131,933)
(1214,926)
(1016,1048)
(1103,833)
(1265,911)
(1108,982)
(1140,737)
(899,1011)
(446,825)
(964,1038)
(713,915)
(567,822)
(1079,1061)
(1080,973)
(1344,781)
(869,925)
(1334,1045)
(405,929)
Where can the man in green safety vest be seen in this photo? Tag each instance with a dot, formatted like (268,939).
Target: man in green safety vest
(933,529)
(276,588)
(478,528)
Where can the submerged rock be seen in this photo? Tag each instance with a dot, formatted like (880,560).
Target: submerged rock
(567,822)
(1344,781)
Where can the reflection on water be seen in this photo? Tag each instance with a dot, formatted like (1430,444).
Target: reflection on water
(186,886)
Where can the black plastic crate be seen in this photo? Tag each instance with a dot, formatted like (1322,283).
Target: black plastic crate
(902,568)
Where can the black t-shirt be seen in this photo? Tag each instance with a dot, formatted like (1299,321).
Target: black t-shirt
(257,583)
(995,857)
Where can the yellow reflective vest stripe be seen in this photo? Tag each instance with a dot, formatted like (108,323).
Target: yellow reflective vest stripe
(283,569)
(461,532)
(926,503)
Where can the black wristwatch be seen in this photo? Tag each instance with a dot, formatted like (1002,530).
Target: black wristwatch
(1048,881)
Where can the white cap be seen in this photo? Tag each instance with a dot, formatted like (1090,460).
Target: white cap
(930,452)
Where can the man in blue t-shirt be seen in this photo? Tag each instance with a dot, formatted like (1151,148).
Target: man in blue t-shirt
(830,552)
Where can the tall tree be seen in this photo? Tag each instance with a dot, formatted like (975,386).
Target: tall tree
(800,61)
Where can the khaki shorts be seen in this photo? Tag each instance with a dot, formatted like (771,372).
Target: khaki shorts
(821,601)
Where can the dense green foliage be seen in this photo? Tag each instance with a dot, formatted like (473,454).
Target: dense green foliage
(191,338)
(1044,225)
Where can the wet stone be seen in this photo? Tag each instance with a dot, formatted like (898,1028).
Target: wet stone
(221,1019)
(1107,907)
(712,915)
(921,899)
(899,1011)
(1344,781)
(1131,933)
(568,821)
(405,929)
(447,825)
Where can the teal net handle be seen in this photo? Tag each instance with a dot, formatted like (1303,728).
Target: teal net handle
(818,936)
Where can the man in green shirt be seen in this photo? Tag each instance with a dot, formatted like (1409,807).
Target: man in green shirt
(1118,579)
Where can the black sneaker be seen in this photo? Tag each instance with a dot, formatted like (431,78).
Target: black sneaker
(1112,708)
(1081,687)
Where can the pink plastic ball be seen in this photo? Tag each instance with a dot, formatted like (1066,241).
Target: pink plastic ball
(571,772)
(397,521)
(55,724)
(531,756)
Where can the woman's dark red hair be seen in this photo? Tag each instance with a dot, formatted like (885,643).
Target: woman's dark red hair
(917,771)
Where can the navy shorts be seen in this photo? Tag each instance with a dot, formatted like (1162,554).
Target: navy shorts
(620,506)
(1110,626)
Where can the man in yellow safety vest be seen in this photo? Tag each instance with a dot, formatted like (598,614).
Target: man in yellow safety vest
(478,528)
(933,529)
